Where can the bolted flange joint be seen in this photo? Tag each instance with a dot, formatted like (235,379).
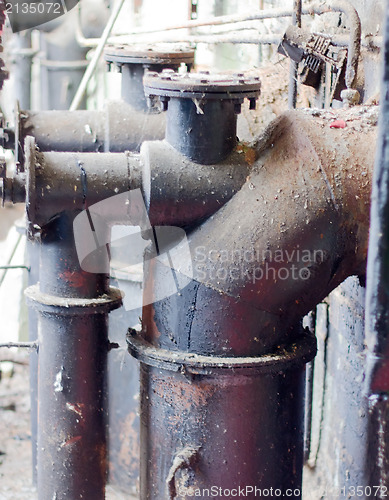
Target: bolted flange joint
(133,60)
(202,110)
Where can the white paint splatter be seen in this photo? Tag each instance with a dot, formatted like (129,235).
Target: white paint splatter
(58,387)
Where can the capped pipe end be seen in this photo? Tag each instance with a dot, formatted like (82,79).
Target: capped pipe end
(202,110)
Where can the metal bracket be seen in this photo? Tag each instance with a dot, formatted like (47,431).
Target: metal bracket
(314,51)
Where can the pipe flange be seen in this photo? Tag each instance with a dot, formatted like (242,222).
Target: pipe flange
(203,85)
(64,306)
(149,55)
(296,354)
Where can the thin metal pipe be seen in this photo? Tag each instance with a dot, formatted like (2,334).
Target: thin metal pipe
(96,56)
(15,267)
(21,57)
(270,39)
(228,38)
(10,258)
(25,345)
(293,77)
(213,21)
(377,295)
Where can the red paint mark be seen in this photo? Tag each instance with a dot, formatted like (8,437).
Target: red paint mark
(338,124)
(71,441)
(74,279)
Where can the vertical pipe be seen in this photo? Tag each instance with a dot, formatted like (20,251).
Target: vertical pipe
(377,296)
(96,57)
(32,251)
(292,92)
(21,68)
(73,337)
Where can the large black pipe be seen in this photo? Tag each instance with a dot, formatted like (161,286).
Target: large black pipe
(229,313)
(205,426)
(295,230)
(377,298)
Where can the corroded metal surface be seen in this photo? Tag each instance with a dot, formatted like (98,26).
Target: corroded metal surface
(302,212)
(377,299)
(240,440)
(117,128)
(73,345)
(201,110)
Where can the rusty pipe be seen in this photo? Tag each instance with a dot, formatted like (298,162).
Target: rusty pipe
(74,303)
(121,126)
(117,128)
(377,299)
(73,311)
(72,306)
(295,230)
(309,190)
(249,323)
(55,182)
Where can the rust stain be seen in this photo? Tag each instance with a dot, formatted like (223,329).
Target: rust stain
(182,394)
(74,279)
(250,154)
(71,441)
(101,453)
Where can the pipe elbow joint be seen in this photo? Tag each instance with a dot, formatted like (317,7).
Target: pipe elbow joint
(294,231)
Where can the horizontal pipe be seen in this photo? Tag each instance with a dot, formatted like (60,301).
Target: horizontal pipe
(214,21)
(118,128)
(20,345)
(74,181)
(58,182)
(225,20)
(227,38)
(274,39)
(180,192)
